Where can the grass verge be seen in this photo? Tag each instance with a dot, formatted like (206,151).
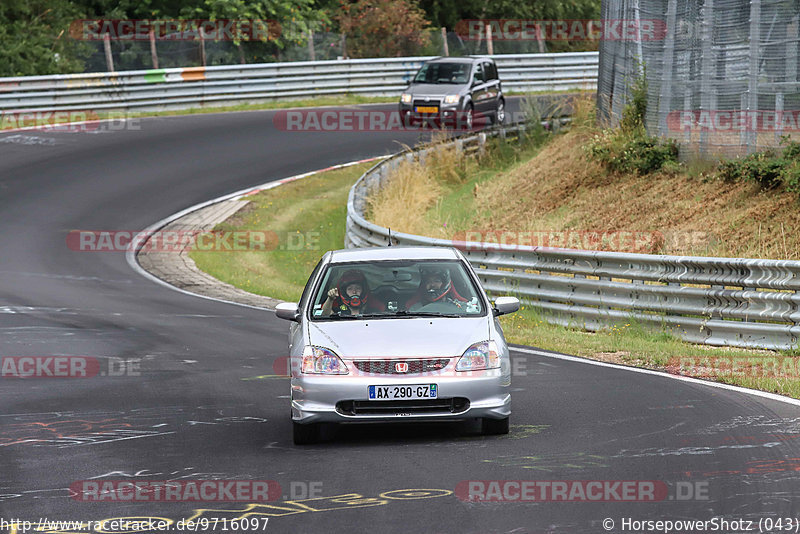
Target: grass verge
(633,344)
(308,218)
(317,205)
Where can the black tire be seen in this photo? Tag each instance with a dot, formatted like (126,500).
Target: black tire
(494,427)
(305,434)
(469,118)
(499,116)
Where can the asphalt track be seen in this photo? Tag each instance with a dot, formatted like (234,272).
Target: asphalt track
(196,411)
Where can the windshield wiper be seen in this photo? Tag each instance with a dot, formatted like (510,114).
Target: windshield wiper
(336,317)
(405,313)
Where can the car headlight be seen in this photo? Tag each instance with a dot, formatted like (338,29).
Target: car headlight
(451,99)
(322,361)
(405,98)
(479,356)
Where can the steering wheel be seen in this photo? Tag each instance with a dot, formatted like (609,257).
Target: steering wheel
(441,306)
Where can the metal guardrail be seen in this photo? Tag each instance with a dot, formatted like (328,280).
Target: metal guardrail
(230,84)
(716,301)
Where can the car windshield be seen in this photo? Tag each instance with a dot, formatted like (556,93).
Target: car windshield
(451,73)
(396,289)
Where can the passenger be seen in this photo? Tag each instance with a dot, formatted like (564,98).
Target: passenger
(351,296)
(435,286)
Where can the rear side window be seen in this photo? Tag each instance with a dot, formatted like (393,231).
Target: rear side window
(479,74)
(491,71)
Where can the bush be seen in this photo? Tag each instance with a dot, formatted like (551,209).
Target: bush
(632,152)
(763,168)
(629,149)
(770,169)
(633,114)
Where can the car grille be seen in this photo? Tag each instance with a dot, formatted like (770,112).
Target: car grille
(387,367)
(454,405)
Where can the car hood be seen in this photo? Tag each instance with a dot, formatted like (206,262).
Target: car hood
(404,338)
(434,89)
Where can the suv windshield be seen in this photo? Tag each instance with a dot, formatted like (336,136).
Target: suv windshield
(452,73)
(393,289)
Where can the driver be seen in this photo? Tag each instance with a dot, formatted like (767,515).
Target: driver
(435,286)
(350,296)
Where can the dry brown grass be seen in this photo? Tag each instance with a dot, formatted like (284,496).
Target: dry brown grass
(415,187)
(410,192)
(562,192)
(561,189)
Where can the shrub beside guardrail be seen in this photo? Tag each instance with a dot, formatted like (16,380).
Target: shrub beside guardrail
(736,302)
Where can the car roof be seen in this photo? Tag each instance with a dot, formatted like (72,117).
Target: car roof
(465,59)
(393,253)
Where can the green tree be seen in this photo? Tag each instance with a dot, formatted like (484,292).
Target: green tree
(383,28)
(34,37)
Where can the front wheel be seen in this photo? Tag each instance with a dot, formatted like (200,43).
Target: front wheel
(469,118)
(494,427)
(305,434)
(500,114)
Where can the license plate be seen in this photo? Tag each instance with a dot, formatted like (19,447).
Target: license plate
(427,109)
(412,392)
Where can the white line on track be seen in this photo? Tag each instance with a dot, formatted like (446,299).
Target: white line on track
(738,389)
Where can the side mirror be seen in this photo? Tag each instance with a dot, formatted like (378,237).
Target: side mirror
(504,305)
(287,310)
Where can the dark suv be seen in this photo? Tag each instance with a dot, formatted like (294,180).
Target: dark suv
(454,91)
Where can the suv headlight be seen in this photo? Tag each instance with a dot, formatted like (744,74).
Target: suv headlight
(483,355)
(405,98)
(322,361)
(451,99)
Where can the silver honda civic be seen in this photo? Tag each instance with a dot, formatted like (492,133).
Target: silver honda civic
(397,334)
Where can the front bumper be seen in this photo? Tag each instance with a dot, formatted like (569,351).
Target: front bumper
(319,399)
(448,113)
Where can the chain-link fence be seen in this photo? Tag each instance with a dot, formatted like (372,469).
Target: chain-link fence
(722,75)
(303,46)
